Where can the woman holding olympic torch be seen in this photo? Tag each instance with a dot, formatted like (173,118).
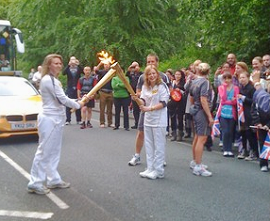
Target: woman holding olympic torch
(155,96)
(51,120)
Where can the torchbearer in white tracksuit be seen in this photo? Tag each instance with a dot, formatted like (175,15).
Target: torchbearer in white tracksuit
(51,120)
(155,95)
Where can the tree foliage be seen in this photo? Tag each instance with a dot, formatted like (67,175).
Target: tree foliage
(127,29)
(241,27)
(131,29)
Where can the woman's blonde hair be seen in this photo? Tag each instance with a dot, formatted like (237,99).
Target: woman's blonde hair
(147,70)
(204,68)
(243,65)
(258,58)
(47,62)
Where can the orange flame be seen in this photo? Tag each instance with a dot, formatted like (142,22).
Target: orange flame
(105,58)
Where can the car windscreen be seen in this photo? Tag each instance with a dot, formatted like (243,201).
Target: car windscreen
(16,88)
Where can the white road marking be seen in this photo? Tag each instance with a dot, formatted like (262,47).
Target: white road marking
(26,214)
(15,165)
(61,204)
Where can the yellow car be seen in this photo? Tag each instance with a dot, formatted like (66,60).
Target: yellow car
(20,104)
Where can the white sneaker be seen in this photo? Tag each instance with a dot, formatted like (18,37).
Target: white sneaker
(134,161)
(200,171)
(225,153)
(61,185)
(230,154)
(193,164)
(145,173)
(154,175)
(241,155)
(251,158)
(220,144)
(38,190)
(264,169)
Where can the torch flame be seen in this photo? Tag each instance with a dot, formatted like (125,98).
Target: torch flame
(105,58)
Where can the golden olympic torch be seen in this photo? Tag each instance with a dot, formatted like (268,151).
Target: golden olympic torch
(108,76)
(122,76)
(115,69)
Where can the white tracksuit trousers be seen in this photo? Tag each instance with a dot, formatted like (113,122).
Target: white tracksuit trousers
(155,144)
(44,168)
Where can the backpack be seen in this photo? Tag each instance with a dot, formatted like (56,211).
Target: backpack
(262,100)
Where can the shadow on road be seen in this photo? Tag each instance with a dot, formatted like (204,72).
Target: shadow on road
(19,139)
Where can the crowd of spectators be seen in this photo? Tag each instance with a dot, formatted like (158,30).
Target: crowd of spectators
(232,82)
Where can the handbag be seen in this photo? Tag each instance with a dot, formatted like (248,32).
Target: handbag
(176,95)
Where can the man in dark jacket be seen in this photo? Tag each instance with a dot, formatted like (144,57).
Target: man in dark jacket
(134,73)
(73,71)
(260,119)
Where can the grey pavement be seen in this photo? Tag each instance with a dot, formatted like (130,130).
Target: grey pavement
(215,146)
(105,188)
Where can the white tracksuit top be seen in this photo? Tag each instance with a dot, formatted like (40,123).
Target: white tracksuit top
(53,97)
(153,96)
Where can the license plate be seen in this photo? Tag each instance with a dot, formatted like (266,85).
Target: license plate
(23,126)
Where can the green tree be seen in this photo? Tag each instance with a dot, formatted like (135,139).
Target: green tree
(178,31)
(127,29)
(3,9)
(241,27)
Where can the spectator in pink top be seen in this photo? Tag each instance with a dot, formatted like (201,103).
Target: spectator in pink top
(227,112)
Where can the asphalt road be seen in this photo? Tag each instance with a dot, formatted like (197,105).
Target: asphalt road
(105,188)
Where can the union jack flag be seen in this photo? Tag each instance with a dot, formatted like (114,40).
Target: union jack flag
(215,128)
(240,108)
(239,143)
(265,153)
